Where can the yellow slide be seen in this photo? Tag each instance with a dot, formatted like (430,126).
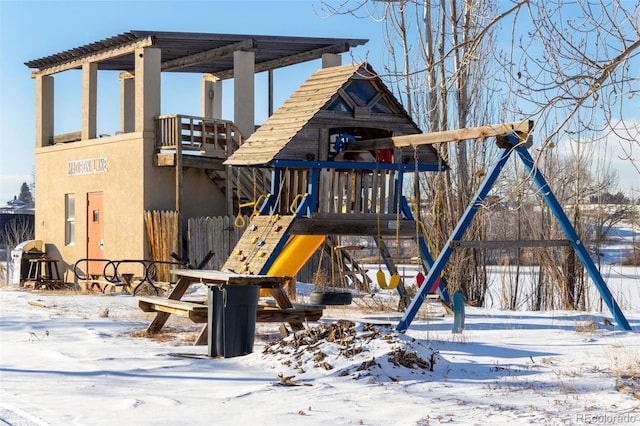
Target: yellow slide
(294,255)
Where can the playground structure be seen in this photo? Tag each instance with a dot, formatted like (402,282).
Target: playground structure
(342,174)
(338,151)
(320,187)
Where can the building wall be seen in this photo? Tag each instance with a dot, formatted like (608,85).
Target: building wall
(121,167)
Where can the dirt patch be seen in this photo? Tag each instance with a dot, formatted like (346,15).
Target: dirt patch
(355,350)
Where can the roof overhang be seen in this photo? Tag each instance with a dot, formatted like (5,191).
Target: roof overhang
(203,53)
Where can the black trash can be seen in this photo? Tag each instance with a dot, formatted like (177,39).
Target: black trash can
(232,319)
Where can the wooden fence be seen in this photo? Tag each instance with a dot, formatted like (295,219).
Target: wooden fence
(216,234)
(162,233)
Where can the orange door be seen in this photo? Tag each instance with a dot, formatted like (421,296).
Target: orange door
(95,232)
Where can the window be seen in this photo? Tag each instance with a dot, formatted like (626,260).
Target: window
(70,219)
(362,94)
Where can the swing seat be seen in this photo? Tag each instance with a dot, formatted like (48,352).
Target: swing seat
(382,280)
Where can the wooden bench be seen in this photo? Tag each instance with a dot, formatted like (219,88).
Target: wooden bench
(195,311)
(198,312)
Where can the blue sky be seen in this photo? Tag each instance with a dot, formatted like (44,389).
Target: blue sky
(33,29)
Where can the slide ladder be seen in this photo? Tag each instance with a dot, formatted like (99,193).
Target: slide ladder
(258,243)
(266,248)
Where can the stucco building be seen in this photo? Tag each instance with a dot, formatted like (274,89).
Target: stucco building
(93,190)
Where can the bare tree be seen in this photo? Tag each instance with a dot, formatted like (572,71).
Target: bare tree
(459,63)
(575,67)
(17,230)
(438,63)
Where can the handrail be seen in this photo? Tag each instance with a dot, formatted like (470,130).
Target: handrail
(86,275)
(114,277)
(293,208)
(197,133)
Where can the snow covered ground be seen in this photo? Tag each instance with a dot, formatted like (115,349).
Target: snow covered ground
(74,359)
(82,360)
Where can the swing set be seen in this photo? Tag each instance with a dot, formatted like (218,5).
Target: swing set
(512,138)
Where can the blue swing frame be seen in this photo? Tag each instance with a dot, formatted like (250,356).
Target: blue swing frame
(543,187)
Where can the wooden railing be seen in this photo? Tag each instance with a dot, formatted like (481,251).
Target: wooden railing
(357,191)
(343,191)
(213,137)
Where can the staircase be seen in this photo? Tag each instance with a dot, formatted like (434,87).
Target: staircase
(211,142)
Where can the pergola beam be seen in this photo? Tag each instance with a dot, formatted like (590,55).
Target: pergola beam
(126,49)
(290,60)
(206,56)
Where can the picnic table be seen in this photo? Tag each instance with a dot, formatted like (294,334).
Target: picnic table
(283,310)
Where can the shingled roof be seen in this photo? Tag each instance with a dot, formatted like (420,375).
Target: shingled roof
(293,131)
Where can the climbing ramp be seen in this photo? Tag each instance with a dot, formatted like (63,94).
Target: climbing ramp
(267,248)
(257,244)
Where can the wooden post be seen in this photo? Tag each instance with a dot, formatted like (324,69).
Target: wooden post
(178,184)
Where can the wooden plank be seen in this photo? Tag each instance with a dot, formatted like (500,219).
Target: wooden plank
(382,196)
(360,225)
(203,336)
(66,137)
(375,184)
(197,141)
(391,182)
(323,189)
(283,302)
(149,302)
(359,208)
(176,294)
(198,317)
(339,191)
(219,277)
(480,132)
(349,192)
(257,244)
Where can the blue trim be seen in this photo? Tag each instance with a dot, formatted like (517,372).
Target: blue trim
(349,165)
(277,250)
(269,203)
(314,190)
